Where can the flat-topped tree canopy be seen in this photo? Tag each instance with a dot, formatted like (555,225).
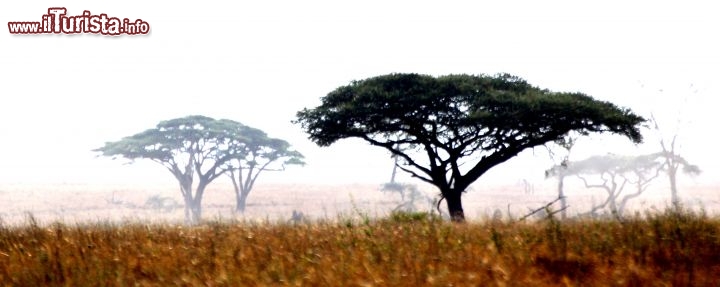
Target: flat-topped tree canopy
(193,148)
(255,152)
(167,140)
(198,149)
(455,117)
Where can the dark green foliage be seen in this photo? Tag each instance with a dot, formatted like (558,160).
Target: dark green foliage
(451,118)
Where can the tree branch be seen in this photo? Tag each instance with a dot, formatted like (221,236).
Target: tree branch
(544,207)
(389,146)
(414,174)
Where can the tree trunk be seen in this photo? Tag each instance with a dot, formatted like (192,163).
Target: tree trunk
(613,204)
(561,195)
(193,210)
(454,204)
(193,204)
(196,212)
(394,171)
(186,189)
(241,201)
(241,195)
(672,172)
(197,201)
(187,212)
(242,189)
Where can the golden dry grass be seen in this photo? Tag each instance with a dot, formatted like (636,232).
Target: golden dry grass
(669,249)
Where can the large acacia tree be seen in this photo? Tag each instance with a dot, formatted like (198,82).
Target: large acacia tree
(450,130)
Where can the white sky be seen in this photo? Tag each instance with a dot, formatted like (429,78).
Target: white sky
(260,63)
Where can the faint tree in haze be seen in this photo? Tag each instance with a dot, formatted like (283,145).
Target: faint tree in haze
(396,160)
(673,163)
(559,171)
(463,124)
(410,196)
(669,144)
(409,193)
(613,174)
(192,147)
(255,152)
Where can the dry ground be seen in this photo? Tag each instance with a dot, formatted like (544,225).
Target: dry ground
(72,203)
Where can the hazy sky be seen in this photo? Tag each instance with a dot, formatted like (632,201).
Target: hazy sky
(63,95)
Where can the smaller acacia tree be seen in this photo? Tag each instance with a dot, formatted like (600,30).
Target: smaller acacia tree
(254,152)
(190,147)
(202,148)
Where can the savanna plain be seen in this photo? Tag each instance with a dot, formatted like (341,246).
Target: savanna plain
(84,235)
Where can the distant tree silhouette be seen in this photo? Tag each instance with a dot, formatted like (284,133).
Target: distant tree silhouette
(613,173)
(566,144)
(253,153)
(202,148)
(673,163)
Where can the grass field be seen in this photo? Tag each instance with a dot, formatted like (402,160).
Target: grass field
(403,249)
(83,235)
